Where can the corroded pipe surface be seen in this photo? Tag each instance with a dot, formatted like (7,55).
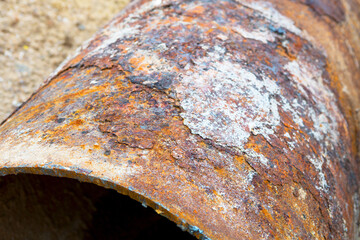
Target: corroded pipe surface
(38,207)
(234,119)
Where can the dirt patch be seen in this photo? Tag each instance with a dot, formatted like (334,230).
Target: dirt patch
(37,35)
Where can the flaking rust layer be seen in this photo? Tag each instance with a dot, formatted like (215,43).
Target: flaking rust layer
(224,116)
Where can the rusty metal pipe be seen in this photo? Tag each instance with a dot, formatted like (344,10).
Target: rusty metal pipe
(235,119)
(38,207)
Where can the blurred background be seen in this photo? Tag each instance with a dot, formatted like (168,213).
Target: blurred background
(37,35)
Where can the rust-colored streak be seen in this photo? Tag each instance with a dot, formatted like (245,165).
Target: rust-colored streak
(222,115)
(334,9)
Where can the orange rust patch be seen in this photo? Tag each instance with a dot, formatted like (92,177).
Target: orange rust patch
(77,122)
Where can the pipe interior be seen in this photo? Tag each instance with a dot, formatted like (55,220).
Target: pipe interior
(45,207)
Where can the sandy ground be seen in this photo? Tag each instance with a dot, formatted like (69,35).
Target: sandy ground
(37,35)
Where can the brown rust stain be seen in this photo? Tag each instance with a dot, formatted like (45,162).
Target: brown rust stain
(334,9)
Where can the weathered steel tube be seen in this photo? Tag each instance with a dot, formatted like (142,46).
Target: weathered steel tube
(235,119)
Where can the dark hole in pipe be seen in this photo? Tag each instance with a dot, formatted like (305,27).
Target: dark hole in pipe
(44,207)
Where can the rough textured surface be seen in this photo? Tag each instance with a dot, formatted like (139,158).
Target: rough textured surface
(228,117)
(37,35)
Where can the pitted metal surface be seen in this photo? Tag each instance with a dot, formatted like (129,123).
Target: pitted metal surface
(222,115)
